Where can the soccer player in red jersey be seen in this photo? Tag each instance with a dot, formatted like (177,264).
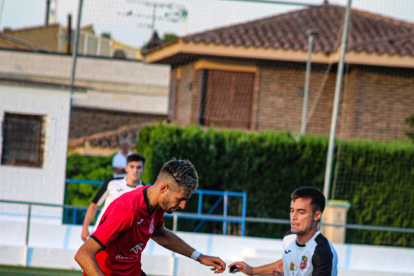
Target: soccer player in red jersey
(131,220)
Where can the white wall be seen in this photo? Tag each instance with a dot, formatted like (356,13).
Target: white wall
(54,246)
(114,84)
(45,184)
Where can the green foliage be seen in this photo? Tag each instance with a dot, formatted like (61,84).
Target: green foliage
(269,166)
(88,168)
(106,35)
(410,122)
(167,38)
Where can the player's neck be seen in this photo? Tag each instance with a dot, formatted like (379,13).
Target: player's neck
(302,239)
(152,198)
(132,183)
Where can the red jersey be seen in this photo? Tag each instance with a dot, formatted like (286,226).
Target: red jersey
(124,231)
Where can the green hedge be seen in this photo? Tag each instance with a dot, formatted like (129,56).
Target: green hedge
(88,168)
(376,178)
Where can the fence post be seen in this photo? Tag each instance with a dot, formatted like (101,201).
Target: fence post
(74,216)
(26,245)
(200,203)
(225,211)
(244,208)
(175,223)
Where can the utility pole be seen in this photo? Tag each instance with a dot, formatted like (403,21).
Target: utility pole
(76,44)
(310,34)
(154,16)
(337,97)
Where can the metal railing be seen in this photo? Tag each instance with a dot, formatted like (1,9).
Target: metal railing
(205,217)
(223,197)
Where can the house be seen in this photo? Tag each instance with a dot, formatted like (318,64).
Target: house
(105,143)
(34,124)
(251,75)
(56,38)
(119,92)
(11,42)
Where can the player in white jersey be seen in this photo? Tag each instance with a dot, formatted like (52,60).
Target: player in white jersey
(114,188)
(306,251)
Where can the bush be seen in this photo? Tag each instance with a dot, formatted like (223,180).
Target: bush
(88,168)
(269,166)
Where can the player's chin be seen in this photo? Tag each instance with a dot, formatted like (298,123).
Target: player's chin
(170,211)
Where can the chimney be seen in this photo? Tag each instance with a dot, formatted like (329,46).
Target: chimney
(69,35)
(47,12)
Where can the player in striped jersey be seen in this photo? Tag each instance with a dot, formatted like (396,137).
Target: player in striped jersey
(114,188)
(306,251)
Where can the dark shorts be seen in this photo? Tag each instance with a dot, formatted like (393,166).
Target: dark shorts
(143,273)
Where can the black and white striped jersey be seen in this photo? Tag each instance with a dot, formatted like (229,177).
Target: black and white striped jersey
(315,258)
(111,190)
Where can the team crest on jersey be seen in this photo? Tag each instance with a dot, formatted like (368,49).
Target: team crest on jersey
(137,248)
(304,262)
(151,228)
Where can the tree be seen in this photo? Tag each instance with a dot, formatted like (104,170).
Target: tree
(155,40)
(410,122)
(106,35)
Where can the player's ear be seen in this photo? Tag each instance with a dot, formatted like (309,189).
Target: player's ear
(318,215)
(164,188)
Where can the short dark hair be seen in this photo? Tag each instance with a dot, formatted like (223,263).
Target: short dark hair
(316,196)
(135,157)
(183,172)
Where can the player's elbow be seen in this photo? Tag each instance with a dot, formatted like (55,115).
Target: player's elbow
(77,257)
(80,256)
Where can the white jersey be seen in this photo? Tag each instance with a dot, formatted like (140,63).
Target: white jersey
(315,258)
(111,190)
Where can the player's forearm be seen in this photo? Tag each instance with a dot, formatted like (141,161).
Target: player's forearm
(88,263)
(265,269)
(90,214)
(172,242)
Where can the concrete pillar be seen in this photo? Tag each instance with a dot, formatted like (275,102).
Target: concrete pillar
(335,213)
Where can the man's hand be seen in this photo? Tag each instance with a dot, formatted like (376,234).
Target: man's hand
(277,272)
(218,265)
(85,234)
(242,267)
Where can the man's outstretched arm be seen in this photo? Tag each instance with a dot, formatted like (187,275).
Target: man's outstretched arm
(171,241)
(90,214)
(260,270)
(86,258)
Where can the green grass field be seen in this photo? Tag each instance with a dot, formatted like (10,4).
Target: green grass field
(30,271)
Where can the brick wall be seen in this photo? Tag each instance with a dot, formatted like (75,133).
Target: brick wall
(383,98)
(184,77)
(88,121)
(374,101)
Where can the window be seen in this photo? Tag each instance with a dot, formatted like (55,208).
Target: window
(23,140)
(227,99)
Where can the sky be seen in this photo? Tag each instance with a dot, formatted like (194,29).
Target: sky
(111,15)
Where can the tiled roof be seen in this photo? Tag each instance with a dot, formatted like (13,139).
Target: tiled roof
(11,42)
(369,32)
(109,139)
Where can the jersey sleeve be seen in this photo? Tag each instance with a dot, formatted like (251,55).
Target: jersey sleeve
(102,193)
(116,220)
(322,263)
